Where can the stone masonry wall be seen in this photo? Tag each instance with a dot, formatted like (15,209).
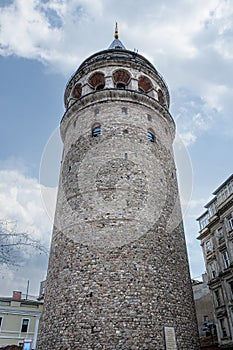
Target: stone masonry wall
(118,270)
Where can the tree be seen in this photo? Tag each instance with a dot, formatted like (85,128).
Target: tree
(13,244)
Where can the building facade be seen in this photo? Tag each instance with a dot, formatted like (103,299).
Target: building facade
(19,320)
(216,236)
(205,314)
(118,275)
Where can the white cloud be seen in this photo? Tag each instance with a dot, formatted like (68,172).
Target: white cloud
(188,49)
(193,52)
(45,30)
(20,202)
(188,138)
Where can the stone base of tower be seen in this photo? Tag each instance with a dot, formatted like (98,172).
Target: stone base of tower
(134,297)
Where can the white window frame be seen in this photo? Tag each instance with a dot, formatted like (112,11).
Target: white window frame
(218,297)
(219,232)
(223,327)
(230,223)
(212,270)
(28,319)
(231,288)
(226,259)
(208,246)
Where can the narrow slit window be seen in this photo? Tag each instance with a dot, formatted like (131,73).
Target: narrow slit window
(96,131)
(150,136)
(124,111)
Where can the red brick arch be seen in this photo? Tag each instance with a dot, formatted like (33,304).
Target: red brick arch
(161,97)
(144,84)
(97,80)
(77,91)
(121,76)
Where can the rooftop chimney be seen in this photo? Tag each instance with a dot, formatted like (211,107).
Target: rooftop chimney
(17,295)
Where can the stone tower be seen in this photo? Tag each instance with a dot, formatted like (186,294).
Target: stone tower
(118,275)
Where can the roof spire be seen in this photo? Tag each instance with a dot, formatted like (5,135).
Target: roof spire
(116,36)
(116,44)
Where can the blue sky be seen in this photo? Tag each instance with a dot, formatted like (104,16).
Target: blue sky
(42,42)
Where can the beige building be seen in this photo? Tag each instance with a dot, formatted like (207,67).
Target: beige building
(19,319)
(216,236)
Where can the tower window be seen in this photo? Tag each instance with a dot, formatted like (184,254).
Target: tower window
(97,81)
(96,131)
(100,87)
(124,111)
(150,136)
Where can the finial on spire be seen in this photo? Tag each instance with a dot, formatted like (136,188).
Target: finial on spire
(116,32)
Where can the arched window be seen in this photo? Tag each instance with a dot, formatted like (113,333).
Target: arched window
(97,81)
(121,78)
(144,84)
(77,91)
(96,131)
(161,97)
(150,136)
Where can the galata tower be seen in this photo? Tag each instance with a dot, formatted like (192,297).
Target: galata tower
(118,275)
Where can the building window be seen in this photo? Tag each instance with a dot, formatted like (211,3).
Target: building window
(1,319)
(208,246)
(203,222)
(231,288)
(205,318)
(25,324)
(217,297)
(230,187)
(226,260)
(212,270)
(230,223)
(223,327)
(96,131)
(150,136)
(219,232)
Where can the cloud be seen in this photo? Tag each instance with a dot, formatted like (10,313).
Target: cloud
(44,30)
(20,203)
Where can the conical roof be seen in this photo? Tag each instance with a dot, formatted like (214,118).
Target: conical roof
(116,44)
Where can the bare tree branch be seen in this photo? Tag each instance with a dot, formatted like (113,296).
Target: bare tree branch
(13,244)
